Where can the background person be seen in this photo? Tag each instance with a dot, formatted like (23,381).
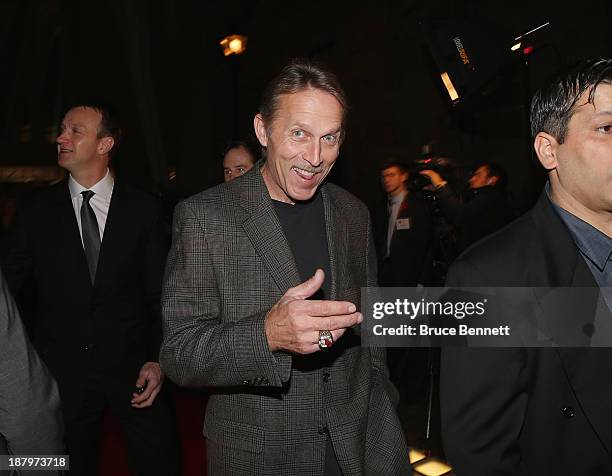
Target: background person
(545,411)
(486,208)
(238,158)
(94,250)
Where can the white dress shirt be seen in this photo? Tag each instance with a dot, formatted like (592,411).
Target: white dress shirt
(100,202)
(393,209)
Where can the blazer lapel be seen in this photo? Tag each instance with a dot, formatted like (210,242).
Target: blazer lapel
(587,369)
(117,214)
(337,233)
(263,228)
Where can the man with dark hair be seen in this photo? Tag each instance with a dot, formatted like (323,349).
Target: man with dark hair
(238,158)
(544,411)
(486,209)
(293,390)
(95,252)
(403,231)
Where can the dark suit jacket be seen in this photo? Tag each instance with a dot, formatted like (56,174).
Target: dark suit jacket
(269,412)
(409,262)
(527,411)
(113,326)
(486,211)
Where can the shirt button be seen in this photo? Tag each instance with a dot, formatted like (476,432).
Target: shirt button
(326,377)
(568,412)
(85,347)
(323,430)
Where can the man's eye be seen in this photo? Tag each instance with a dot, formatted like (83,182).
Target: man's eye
(298,133)
(331,139)
(227,172)
(241,170)
(606,129)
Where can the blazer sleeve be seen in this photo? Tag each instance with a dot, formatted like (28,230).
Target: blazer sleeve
(199,348)
(483,399)
(378,354)
(30,416)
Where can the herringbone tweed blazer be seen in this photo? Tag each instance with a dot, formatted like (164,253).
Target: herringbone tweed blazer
(270,412)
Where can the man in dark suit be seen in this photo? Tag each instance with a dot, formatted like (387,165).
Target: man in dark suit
(293,391)
(95,251)
(30,414)
(545,411)
(403,231)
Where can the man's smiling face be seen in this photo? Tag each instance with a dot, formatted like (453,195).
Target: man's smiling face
(302,143)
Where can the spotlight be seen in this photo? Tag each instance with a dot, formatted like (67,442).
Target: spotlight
(233,44)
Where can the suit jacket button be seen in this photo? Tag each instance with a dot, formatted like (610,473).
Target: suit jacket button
(323,430)
(245,382)
(256,381)
(85,347)
(326,377)
(588,330)
(568,412)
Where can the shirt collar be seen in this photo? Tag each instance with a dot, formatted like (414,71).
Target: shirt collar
(591,242)
(104,188)
(397,199)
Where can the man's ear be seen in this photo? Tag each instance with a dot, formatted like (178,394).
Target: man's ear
(105,145)
(260,130)
(546,147)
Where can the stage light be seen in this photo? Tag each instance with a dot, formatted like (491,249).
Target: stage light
(466,55)
(448,84)
(233,44)
(472,59)
(528,50)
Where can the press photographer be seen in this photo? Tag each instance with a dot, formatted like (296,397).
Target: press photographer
(485,209)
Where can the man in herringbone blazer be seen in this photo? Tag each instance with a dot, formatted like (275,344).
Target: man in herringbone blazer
(293,390)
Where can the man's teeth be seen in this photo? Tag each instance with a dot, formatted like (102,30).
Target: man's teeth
(304,172)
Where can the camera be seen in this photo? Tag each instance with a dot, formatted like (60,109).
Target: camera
(442,165)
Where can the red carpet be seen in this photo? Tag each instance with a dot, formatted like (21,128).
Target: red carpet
(190,413)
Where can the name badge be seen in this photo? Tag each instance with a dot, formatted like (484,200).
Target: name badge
(402,223)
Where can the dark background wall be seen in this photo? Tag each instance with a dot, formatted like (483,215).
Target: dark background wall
(181,99)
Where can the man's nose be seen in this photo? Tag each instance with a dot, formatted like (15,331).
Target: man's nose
(314,153)
(61,138)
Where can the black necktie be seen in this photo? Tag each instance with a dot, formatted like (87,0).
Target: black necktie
(91,233)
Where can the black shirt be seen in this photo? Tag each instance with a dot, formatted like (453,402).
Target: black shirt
(304,227)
